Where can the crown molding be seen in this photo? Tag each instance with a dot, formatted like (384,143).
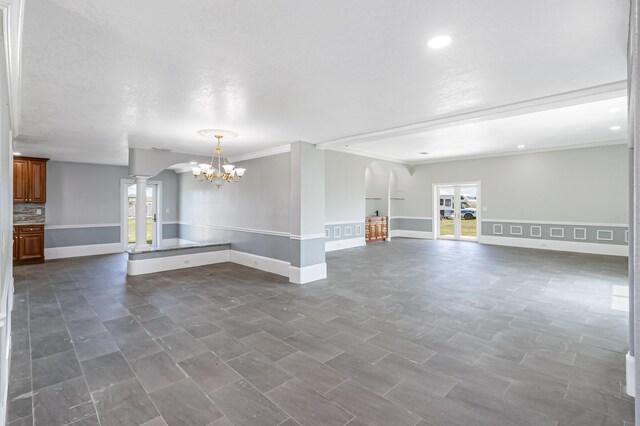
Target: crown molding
(12,18)
(366,154)
(281,149)
(589,94)
(525,151)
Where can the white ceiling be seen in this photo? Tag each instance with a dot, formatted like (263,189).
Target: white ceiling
(578,125)
(101,76)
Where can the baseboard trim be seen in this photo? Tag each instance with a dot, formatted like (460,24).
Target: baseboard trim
(169,263)
(79,251)
(592,248)
(307,274)
(631,375)
(411,234)
(344,244)
(267,264)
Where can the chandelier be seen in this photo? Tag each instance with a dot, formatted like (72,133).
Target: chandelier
(224,172)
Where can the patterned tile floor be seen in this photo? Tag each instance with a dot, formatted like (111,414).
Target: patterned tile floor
(401,333)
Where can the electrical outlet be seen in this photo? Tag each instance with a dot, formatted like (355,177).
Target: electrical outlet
(484,209)
(166,210)
(38,211)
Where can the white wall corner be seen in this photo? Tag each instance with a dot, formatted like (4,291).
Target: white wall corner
(307,274)
(631,375)
(344,244)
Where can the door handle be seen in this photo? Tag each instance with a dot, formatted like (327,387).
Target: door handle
(155,217)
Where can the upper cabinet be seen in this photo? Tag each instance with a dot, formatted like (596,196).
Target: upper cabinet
(29,180)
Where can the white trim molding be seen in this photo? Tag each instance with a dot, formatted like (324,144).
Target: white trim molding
(235,228)
(411,234)
(93,225)
(281,149)
(307,274)
(411,217)
(344,244)
(630,374)
(573,246)
(169,263)
(306,237)
(346,222)
(79,251)
(267,264)
(546,222)
(12,19)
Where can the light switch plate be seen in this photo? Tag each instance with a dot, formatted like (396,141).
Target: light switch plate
(484,209)
(166,210)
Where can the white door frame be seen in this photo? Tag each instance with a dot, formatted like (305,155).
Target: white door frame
(436,207)
(157,229)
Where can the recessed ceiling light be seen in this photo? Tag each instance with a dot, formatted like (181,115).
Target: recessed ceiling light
(193,162)
(439,42)
(614,110)
(16,153)
(346,146)
(520,146)
(423,153)
(615,128)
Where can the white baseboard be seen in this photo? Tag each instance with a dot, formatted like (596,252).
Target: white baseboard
(344,244)
(631,375)
(278,267)
(593,248)
(78,251)
(307,274)
(169,263)
(411,234)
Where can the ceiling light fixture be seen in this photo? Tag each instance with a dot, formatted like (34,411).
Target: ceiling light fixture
(520,146)
(439,42)
(225,172)
(615,128)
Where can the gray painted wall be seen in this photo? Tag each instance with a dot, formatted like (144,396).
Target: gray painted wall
(259,202)
(89,194)
(578,185)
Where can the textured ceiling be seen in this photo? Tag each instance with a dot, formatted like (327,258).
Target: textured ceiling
(101,76)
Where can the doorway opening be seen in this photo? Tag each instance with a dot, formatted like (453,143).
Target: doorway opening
(153,234)
(457,211)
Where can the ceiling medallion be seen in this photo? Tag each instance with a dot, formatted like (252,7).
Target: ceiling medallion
(224,172)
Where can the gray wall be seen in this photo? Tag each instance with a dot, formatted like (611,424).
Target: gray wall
(259,202)
(578,185)
(89,194)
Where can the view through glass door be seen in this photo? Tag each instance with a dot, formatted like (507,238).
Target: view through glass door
(457,209)
(151,218)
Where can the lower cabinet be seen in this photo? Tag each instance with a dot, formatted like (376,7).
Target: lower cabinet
(376,228)
(28,244)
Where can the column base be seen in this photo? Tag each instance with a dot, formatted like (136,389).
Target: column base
(631,375)
(307,274)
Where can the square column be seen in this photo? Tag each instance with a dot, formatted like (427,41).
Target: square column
(307,214)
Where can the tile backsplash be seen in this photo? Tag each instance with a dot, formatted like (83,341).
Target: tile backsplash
(28,213)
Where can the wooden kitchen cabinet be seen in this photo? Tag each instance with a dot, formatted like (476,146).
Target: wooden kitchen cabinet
(376,228)
(30,180)
(28,244)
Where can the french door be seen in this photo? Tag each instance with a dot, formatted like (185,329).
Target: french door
(457,211)
(151,216)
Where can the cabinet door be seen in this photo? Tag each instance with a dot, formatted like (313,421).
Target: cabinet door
(20,181)
(38,181)
(30,246)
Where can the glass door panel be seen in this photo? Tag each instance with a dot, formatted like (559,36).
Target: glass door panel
(468,212)
(151,215)
(446,212)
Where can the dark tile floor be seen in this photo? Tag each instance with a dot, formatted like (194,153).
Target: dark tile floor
(401,333)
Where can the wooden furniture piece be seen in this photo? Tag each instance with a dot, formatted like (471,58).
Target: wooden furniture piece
(28,244)
(30,180)
(376,228)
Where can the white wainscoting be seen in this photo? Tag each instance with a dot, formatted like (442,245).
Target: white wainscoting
(78,251)
(578,247)
(411,234)
(344,244)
